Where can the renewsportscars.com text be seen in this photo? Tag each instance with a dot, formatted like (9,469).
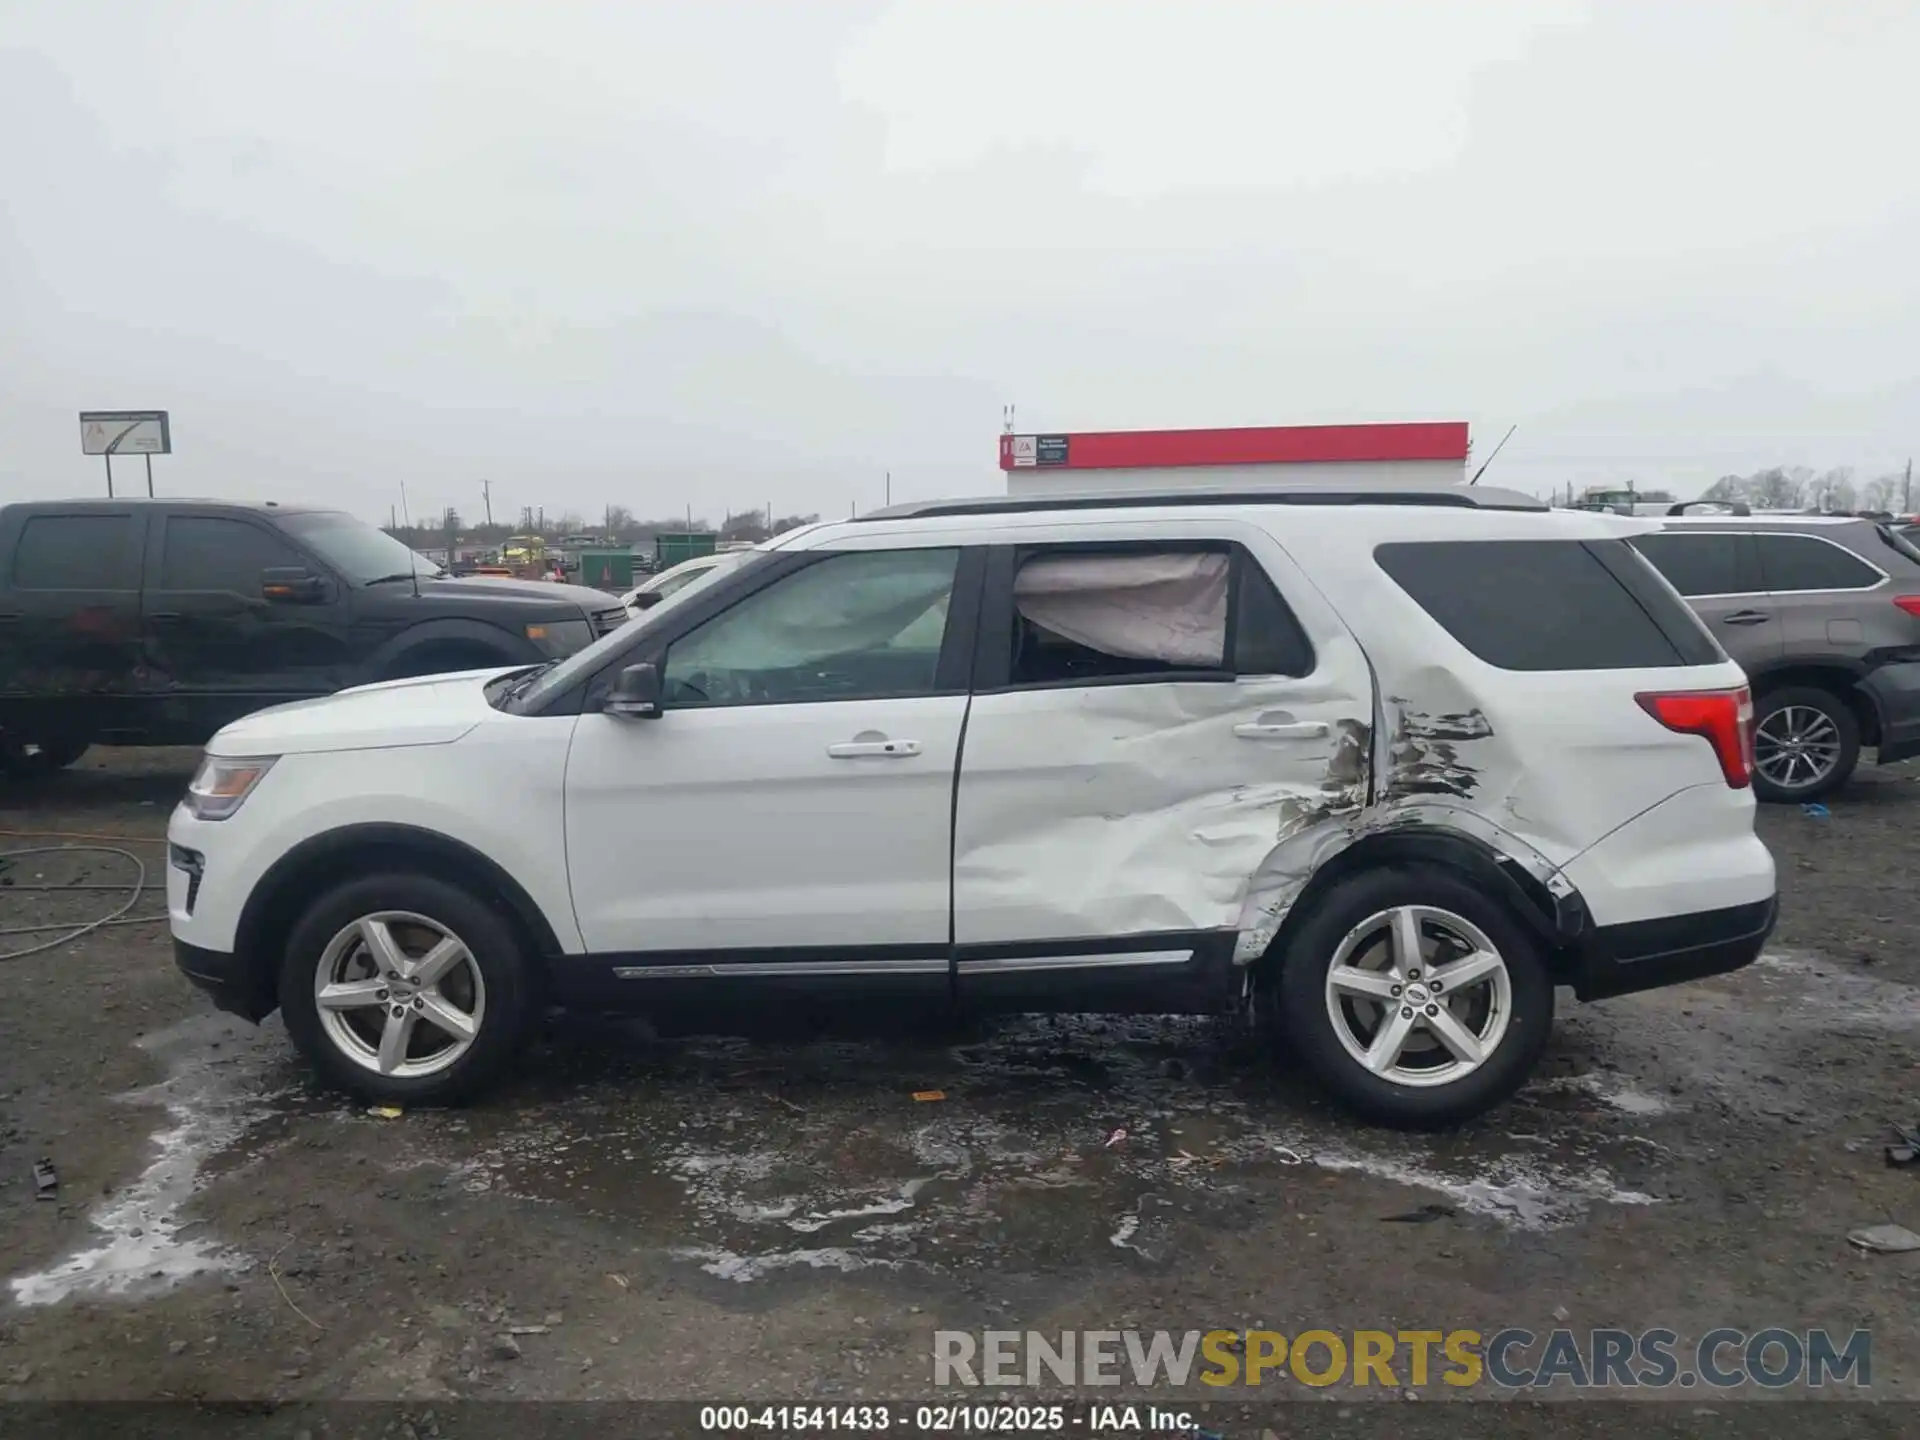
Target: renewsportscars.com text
(1773,1359)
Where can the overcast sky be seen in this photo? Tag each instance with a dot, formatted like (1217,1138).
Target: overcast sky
(723,254)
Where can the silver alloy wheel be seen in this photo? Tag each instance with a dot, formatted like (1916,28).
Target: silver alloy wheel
(1419,996)
(1796,746)
(399,994)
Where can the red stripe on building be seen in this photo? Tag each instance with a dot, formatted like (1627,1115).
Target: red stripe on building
(1262,445)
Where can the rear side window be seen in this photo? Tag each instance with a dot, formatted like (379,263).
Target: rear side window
(1550,604)
(205,552)
(77,552)
(1806,562)
(1705,563)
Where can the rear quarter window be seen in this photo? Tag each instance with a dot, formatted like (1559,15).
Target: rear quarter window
(1551,604)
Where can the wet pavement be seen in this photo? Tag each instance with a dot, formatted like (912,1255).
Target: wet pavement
(783,1217)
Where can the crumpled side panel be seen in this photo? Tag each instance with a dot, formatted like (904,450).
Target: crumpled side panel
(1136,809)
(1440,765)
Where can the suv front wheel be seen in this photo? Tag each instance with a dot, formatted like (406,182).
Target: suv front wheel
(1414,997)
(1806,741)
(406,989)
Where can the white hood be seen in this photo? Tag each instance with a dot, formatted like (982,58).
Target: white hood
(425,710)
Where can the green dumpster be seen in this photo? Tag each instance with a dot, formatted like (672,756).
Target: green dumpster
(671,548)
(607,569)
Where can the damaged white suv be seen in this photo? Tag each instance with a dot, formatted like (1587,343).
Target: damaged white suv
(1385,767)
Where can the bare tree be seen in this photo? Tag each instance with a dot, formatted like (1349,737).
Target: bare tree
(1880,492)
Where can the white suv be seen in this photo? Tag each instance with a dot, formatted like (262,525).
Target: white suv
(1386,767)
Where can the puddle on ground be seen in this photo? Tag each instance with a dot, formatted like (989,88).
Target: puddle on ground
(756,1160)
(212,1096)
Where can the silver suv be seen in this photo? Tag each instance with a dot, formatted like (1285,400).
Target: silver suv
(1823,613)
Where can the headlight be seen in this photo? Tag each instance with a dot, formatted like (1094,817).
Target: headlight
(219,787)
(560,638)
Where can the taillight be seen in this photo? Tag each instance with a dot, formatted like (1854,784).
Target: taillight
(1908,603)
(1723,718)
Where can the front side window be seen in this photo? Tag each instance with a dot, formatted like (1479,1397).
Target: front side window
(203,552)
(363,554)
(1805,562)
(77,552)
(856,626)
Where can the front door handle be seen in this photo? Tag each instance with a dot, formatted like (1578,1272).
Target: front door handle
(1746,617)
(163,617)
(878,749)
(1298,730)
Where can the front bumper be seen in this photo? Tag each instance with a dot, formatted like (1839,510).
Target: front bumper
(234,987)
(1894,690)
(1646,954)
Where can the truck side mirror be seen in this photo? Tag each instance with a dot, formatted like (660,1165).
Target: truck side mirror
(647,599)
(636,694)
(291,585)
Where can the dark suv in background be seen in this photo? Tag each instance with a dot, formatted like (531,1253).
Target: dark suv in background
(1823,613)
(156,622)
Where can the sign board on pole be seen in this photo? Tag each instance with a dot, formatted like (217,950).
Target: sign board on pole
(125,432)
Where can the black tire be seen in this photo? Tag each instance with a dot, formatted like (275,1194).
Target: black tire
(28,759)
(506,969)
(1837,712)
(1298,1005)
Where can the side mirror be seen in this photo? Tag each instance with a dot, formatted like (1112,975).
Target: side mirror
(647,599)
(292,585)
(636,694)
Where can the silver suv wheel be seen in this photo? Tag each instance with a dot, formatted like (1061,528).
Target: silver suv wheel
(1796,746)
(1419,996)
(399,994)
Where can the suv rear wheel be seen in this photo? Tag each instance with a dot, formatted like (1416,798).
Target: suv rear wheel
(1414,997)
(406,989)
(1806,741)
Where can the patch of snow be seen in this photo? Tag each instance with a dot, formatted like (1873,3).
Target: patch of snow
(728,1265)
(144,1250)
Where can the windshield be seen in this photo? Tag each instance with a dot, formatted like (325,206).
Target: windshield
(584,662)
(354,548)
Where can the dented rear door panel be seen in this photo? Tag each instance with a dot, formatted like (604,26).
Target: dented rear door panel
(1097,823)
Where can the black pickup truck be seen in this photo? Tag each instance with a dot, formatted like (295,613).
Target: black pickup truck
(155,622)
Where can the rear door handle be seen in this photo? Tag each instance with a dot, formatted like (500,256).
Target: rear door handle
(1298,730)
(879,749)
(163,617)
(1746,617)
(10,617)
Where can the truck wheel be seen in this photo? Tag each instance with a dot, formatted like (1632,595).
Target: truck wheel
(26,759)
(1418,1000)
(443,660)
(1806,741)
(407,989)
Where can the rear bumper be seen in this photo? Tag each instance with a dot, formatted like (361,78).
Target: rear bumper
(1894,690)
(233,986)
(1646,954)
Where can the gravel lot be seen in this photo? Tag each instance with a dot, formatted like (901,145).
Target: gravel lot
(782,1219)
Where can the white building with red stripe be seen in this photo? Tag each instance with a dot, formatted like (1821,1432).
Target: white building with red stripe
(1426,453)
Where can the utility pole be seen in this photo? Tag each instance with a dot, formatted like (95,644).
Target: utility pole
(486,498)
(1906,490)
(889,491)
(403,505)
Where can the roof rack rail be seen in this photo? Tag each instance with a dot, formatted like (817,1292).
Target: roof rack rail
(1722,507)
(1457,497)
